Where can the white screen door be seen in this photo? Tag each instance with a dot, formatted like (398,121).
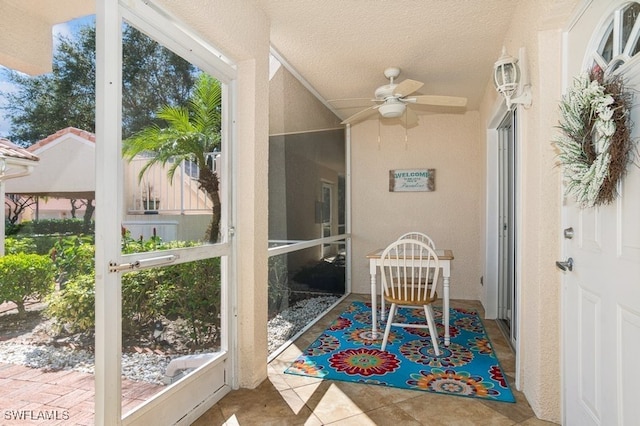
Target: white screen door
(162,276)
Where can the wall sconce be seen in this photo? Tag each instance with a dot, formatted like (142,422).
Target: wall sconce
(511,81)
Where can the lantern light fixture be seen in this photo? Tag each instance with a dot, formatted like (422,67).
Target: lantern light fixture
(510,79)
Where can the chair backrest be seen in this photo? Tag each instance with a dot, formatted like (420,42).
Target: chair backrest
(418,236)
(409,270)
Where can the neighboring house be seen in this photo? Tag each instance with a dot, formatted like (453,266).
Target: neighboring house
(15,162)
(61,176)
(67,172)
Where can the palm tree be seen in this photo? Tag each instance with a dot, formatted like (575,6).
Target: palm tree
(189,133)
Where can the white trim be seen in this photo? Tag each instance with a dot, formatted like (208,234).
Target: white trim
(519,234)
(347,209)
(303,132)
(492,225)
(276,251)
(108,303)
(173,34)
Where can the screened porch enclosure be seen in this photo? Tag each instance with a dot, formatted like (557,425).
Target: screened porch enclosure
(307,207)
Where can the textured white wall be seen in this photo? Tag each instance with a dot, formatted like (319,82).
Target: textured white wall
(537,27)
(448,143)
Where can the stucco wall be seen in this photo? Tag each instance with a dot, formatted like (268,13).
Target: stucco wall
(538,28)
(448,143)
(293,109)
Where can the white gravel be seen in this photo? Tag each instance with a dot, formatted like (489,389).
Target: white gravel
(149,367)
(137,366)
(288,322)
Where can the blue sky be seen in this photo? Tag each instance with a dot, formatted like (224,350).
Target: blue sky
(67,29)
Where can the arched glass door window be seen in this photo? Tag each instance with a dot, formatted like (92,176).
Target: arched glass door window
(620,42)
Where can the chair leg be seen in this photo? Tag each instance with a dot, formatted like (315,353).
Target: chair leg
(433,330)
(387,329)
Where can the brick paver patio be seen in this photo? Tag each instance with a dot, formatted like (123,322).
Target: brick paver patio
(31,396)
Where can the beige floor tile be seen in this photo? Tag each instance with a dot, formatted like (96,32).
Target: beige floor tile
(534,421)
(387,415)
(213,416)
(446,410)
(328,401)
(286,399)
(518,412)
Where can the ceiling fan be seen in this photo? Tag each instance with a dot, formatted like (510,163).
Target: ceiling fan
(392,99)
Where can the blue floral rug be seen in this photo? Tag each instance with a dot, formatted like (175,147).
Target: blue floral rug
(467,367)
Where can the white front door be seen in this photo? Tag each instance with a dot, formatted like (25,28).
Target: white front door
(601,294)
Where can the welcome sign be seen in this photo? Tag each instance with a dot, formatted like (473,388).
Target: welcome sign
(408,180)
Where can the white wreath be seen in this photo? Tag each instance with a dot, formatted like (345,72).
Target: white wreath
(585,104)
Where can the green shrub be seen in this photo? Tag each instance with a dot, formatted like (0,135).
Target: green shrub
(73,256)
(189,291)
(145,295)
(73,308)
(195,297)
(20,245)
(24,276)
(56,226)
(11,228)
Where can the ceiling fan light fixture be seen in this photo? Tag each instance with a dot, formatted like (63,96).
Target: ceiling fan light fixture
(392,109)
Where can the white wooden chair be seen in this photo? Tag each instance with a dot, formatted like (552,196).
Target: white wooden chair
(414,235)
(405,266)
(420,236)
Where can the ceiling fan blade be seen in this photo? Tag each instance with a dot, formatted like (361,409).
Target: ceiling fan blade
(452,101)
(407,87)
(361,115)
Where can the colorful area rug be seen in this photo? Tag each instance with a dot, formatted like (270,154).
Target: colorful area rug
(467,367)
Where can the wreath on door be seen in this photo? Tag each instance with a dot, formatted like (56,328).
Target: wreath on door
(594,142)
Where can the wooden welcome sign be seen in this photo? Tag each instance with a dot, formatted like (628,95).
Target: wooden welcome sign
(409,180)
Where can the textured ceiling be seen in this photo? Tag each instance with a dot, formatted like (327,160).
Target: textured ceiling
(342,47)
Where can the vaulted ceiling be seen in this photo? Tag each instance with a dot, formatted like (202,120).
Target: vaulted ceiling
(343,47)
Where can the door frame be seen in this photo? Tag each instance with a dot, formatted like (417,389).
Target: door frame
(492,231)
(212,381)
(507,223)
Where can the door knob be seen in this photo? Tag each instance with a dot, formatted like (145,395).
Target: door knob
(567,265)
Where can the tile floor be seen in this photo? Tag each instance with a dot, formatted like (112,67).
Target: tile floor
(284,399)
